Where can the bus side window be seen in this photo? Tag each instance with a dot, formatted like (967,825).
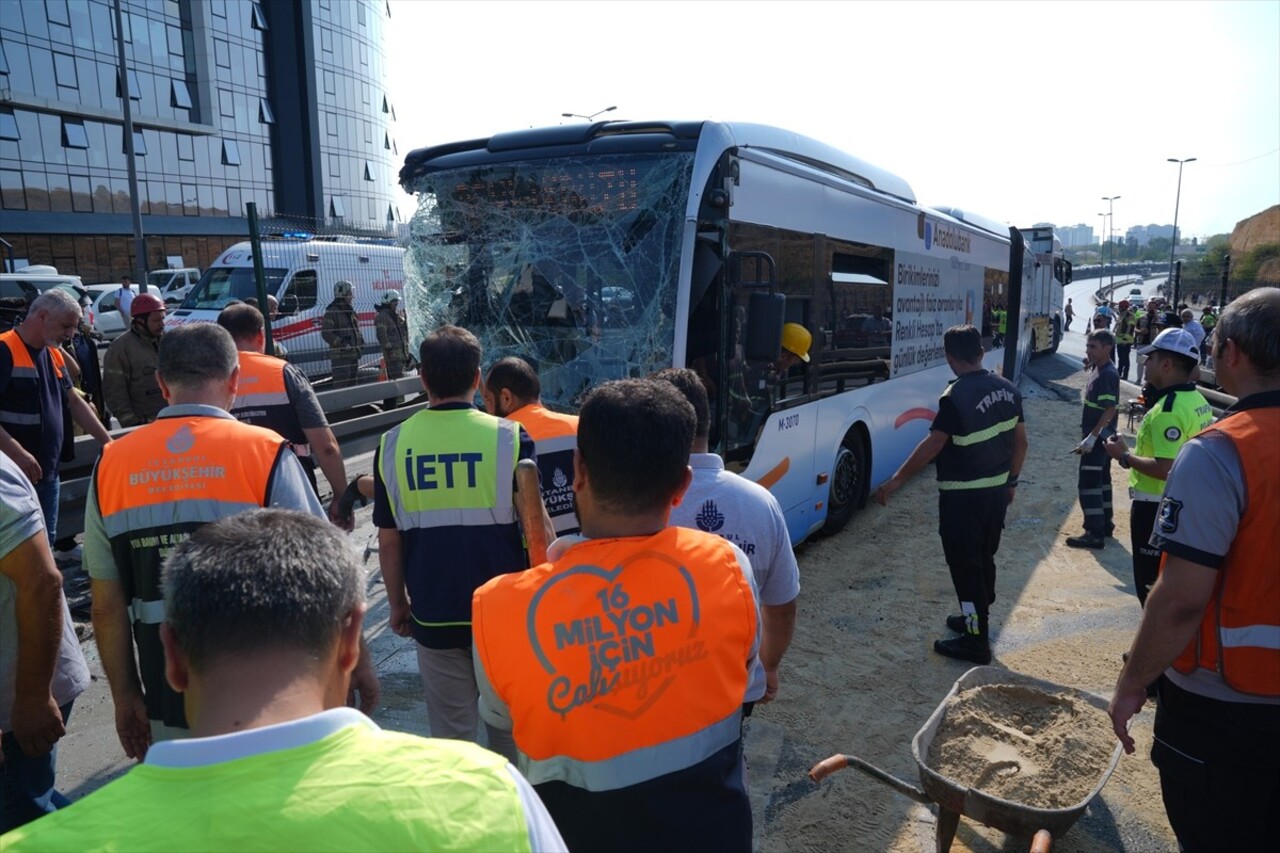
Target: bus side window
(301,294)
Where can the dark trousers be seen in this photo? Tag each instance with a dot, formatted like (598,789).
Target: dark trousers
(970,522)
(26,782)
(1122,359)
(1146,560)
(1219,766)
(1094,486)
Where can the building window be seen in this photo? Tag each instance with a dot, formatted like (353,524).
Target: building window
(336,207)
(368,171)
(335,166)
(392,213)
(186,148)
(226,103)
(179,95)
(258,19)
(56,10)
(13,193)
(386,140)
(4,63)
(386,105)
(230,153)
(222,53)
(265,116)
(330,83)
(73,135)
(331,124)
(135,92)
(360,12)
(326,40)
(64,70)
(8,124)
(139,145)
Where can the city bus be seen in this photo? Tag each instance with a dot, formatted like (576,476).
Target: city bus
(609,250)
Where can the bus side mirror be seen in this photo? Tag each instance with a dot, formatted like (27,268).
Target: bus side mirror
(763,336)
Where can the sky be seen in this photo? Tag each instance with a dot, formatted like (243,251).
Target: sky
(1022,111)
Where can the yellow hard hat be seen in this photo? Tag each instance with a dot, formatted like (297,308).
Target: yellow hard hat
(797,340)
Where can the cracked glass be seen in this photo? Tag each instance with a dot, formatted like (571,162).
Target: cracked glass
(571,263)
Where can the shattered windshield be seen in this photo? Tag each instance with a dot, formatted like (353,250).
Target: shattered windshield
(570,263)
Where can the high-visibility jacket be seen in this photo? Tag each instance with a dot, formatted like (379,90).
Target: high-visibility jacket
(980,411)
(359,788)
(555,437)
(1002,317)
(1125,329)
(1174,415)
(623,660)
(1239,634)
(262,399)
(452,471)
(153,488)
(20,410)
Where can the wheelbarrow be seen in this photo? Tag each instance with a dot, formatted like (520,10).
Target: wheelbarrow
(953,799)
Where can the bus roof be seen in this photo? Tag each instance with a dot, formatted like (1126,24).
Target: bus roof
(619,136)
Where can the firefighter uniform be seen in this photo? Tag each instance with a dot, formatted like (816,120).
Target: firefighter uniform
(621,666)
(1094,480)
(1217,727)
(1175,415)
(152,488)
(555,437)
(980,413)
(444,480)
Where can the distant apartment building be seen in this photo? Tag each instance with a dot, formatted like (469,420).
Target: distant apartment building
(281,103)
(1075,235)
(1142,235)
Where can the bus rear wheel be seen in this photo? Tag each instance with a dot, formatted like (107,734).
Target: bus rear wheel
(848,483)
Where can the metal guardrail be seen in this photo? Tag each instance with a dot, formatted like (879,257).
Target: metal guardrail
(357,433)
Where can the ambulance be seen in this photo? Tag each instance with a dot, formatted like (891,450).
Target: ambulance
(300,271)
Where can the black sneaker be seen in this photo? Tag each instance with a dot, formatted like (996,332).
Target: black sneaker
(965,647)
(1087,540)
(958,624)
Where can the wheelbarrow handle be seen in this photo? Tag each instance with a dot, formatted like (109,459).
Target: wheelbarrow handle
(1042,842)
(827,766)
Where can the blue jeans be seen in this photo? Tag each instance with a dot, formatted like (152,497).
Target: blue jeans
(26,782)
(49,491)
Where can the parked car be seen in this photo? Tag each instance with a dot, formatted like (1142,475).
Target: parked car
(174,284)
(17,289)
(107,320)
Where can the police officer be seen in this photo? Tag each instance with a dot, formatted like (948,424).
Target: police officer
(1124,333)
(980,441)
(512,390)
(444,505)
(275,394)
(1176,411)
(1212,619)
(149,491)
(628,720)
(1101,397)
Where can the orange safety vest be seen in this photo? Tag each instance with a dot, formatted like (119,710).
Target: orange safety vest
(153,488)
(624,659)
(1239,635)
(262,399)
(20,407)
(555,438)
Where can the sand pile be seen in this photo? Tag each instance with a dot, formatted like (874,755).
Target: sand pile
(1042,749)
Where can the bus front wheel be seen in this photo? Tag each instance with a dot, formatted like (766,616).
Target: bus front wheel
(848,483)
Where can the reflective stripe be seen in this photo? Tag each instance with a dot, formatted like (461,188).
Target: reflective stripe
(390,476)
(1254,636)
(427,518)
(265,398)
(640,765)
(1138,495)
(23,373)
(19,418)
(984,483)
(163,515)
(564,521)
(146,612)
(440,624)
(984,434)
(556,444)
(508,447)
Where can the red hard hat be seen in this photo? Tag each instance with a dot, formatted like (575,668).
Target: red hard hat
(1124,303)
(144,303)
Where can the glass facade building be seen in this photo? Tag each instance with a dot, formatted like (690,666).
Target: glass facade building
(278,102)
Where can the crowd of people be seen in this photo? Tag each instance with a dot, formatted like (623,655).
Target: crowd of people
(609,677)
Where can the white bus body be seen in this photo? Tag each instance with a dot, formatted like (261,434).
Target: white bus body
(530,239)
(301,275)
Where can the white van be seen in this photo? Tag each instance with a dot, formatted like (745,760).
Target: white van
(174,284)
(301,275)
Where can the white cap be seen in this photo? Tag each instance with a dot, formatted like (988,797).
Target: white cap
(1174,340)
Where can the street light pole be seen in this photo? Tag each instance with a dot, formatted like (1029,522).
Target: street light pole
(1102,251)
(1177,200)
(1111,217)
(590,117)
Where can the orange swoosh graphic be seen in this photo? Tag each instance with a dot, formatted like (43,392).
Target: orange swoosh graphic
(776,473)
(912,415)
